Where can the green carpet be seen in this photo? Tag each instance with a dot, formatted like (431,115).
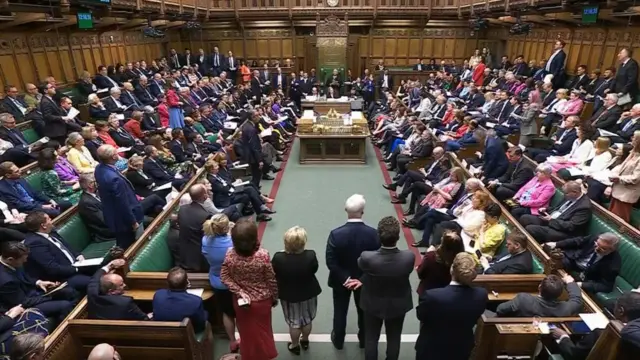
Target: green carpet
(313,196)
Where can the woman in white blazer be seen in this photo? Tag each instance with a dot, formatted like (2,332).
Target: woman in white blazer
(599,160)
(625,177)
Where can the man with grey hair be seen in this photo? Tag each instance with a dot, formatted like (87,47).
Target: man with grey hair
(123,213)
(628,124)
(608,114)
(344,246)
(568,219)
(90,210)
(114,103)
(427,218)
(594,257)
(17,149)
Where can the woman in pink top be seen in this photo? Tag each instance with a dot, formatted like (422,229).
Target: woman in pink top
(573,106)
(535,194)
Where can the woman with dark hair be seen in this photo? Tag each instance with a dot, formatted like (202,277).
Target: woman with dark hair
(248,274)
(51,184)
(434,270)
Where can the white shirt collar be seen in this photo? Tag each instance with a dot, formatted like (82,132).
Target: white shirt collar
(388,247)
(455,283)
(354,220)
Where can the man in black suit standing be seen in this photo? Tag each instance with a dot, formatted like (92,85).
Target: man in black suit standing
(252,149)
(595,257)
(385,82)
(90,210)
(555,64)
(517,260)
(344,246)
(232,67)
(626,83)
(106,299)
(54,116)
(517,175)
(218,62)
(204,64)
(568,219)
(190,219)
(175,60)
(386,290)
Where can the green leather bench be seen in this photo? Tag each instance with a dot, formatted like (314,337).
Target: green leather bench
(155,255)
(72,93)
(34,179)
(30,135)
(76,234)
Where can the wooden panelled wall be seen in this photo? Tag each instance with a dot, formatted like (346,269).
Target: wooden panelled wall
(31,58)
(393,46)
(595,47)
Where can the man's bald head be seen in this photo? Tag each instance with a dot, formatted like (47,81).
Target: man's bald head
(198,193)
(111,284)
(104,352)
(107,154)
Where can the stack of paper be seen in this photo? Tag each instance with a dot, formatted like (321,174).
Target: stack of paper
(196,292)
(88,262)
(230,125)
(595,320)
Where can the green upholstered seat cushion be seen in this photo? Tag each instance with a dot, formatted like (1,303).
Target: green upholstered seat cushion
(34,178)
(75,233)
(30,135)
(97,249)
(155,255)
(635,218)
(73,93)
(557,198)
(620,287)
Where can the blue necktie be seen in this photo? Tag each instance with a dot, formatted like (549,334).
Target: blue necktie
(22,192)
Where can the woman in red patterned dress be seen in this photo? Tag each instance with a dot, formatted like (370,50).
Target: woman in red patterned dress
(248,274)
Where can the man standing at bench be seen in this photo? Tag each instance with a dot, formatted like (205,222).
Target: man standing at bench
(175,303)
(122,211)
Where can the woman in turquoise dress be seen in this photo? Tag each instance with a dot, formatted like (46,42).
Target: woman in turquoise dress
(51,184)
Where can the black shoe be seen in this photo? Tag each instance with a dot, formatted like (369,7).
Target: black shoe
(391,186)
(279,158)
(267,177)
(397,177)
(275,169)
(419,244)
(304,344)
(268,211)
(361,342)
(390,168)
(263,217)
(294,350)
(408,213)
(336,344)
(399,201)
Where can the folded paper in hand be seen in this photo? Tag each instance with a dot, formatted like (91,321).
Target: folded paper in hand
(88,262)
(55,289)
(123,149)
(230,125)
(237,165)
(266,132)
(120,116)
(240,183)
(196,292)
(595,320)
(166,186)
(73,112)
(490,125)
(606,133)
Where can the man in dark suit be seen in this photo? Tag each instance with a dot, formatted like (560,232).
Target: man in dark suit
(555,64)
(627,310)
(18,288)
(344,246)
(385,82)
(518,259)
(494,159)
(256,87)
(175,60)
(279,80)
(218,62)
(626,82)
(102,80)
(628,124)
(386,291)
(175,303)
(158,172)
(595,257)
(19,195)
(449,314)
(561,141)
(580,80)
(568,219)
(14,105)
(190,219)
(546,303)
(106,299)
(22,153)
(50,257)
(143,94)
(203,61)
(123,212)
(517,175)
(90,210)
(252,149)
(54,117)
(607,116)
(115,104)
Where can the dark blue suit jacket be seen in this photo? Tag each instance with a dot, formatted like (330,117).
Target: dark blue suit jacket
(155,88)
(448,316)
(344,246)
(110,307)
(46,261)
(157,172)
(557,65)
(16,287)
(495,159)
(13,136)
(10,195)
(169,305)
(102,82)
(564,147)
(120,205)
(13,109)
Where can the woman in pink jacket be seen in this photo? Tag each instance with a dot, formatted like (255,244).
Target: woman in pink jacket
(535,194)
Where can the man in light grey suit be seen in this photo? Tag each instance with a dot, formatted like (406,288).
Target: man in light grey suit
(546,304)
(386,291)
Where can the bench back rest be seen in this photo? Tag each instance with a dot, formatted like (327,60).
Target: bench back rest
(156,340)
(75,233)
(155,255)
(34,178)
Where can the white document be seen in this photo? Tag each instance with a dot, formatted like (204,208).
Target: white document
(229,117)
(595,320)
(230,125)
(606,133)
(196,292)
(73,112)
(88,262)
(574,171)
(102,90)
(474,113)
(120,116)
(237,165)
(166,186)
(464,164)
(240,183)
(123,149)
(490,125)
(474,170)
(266,132)
(603,177)
(522,147)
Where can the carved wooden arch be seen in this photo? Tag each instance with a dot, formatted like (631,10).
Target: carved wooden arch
(332,26)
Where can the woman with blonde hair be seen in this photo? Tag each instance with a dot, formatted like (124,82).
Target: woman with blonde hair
(458,303)
(298,288)
(78,155)
(215,244)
